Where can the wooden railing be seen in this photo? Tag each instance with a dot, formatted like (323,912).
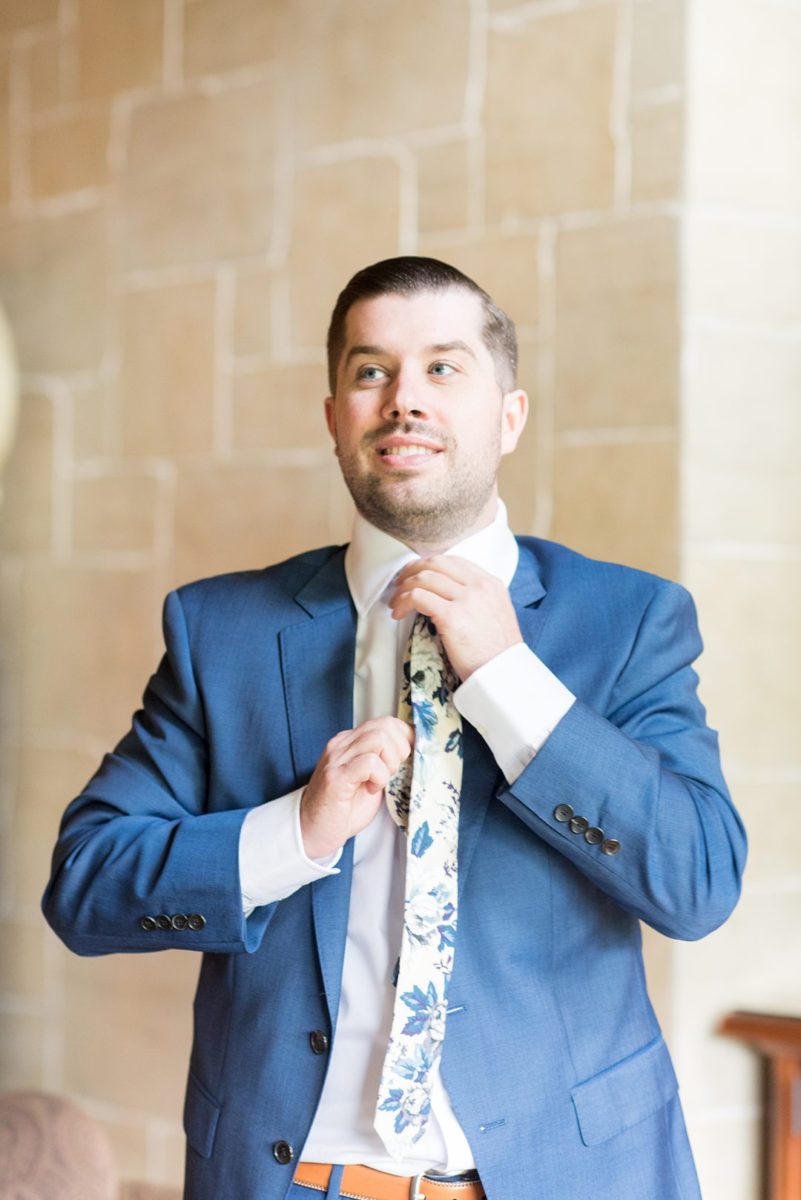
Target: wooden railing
(778,1040)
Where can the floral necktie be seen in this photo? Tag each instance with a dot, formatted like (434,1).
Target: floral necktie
(423,798)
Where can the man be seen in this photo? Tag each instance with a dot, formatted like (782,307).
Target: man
(244,815)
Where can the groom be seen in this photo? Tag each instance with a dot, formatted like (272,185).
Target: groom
(266,808)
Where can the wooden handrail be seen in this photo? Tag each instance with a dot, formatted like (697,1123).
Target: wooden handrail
(778,1040)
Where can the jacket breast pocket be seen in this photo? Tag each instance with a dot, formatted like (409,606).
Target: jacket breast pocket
(201,1115)
(625,1093)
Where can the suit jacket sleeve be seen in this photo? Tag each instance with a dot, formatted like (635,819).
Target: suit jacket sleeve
(139,842)
(646,772)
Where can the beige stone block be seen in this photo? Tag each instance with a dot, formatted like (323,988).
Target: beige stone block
(173,1153)
(168,370)
(217,39)
(726,1152)
(43,69)
(87,649)
(657,45)
(743,271)
(21,14)
(199,179)
(444,185)
(657,150)
(48,779)
(93,419)
(505,265)
(26,511)
(741,151)
(749,618)
(279,408)
(750,963)
(129,1142)
(772,855)
(22,960)
(21,1052)
(115,512)
(69,154)
(5,156)
(345,216)
(54,282)
(118,46)
(242,517)
(518,478)
(558,70)
(619,502)
(338,90)
(253,313)
(742,434)
(127,1029)
(617,335)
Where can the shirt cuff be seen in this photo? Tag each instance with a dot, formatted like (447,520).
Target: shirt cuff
(515,703)
(272,861)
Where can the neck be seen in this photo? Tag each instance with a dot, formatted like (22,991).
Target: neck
(427,547)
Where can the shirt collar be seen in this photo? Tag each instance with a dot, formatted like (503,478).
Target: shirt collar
(373,558)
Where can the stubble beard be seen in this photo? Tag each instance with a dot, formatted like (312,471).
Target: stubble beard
(412,513)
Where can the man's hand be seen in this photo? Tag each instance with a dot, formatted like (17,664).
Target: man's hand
(346,789)
(470,608)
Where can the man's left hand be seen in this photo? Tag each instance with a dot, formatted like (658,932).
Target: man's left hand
(470,608)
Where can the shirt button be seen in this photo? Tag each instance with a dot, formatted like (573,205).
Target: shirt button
(318,1041)
(283,1153)
(563,812)
(594,835)
(579,824)
(611,846)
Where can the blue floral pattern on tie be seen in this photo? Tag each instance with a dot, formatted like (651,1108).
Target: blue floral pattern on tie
(423,798)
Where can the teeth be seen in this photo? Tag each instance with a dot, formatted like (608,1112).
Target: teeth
(405,451)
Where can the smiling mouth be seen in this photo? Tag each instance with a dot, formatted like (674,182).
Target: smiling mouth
(406,451)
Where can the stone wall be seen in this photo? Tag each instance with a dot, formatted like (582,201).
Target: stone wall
(184,186)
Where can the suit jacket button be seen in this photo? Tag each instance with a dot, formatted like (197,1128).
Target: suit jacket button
(563,812)
(147,923)
(179,921)
(318,1041)
(611,846)
(283,1153)
(163,921)
(196,921)
(594,835)
(579,824)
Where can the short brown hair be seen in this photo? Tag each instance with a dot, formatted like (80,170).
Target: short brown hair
(406,276)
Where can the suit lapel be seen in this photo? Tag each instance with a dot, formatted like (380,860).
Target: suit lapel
(480,769)
(317,660)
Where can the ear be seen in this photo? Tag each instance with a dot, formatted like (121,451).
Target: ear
(514,413)
(330,419)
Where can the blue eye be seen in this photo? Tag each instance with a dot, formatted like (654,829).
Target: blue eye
(442,369)
(371,373)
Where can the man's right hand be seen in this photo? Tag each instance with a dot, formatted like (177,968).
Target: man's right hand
(346,789)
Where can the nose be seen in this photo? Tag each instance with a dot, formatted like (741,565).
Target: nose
(403,398)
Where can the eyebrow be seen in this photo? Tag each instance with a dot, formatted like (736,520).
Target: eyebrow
(436,348)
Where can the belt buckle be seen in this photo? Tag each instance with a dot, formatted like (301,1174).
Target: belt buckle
(414,1187)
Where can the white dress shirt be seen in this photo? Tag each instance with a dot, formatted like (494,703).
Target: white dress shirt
(514,702)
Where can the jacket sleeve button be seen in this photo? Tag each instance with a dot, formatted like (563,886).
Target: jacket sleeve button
(563,812)
(318,1041)
(611,846)
(283,1153)
(179,921)
(147,923)
(196,921)
(579,824)
(163,921)
(594,835)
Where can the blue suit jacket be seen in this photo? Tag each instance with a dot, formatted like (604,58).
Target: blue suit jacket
(553,1059)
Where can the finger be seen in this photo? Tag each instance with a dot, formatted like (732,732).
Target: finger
(425,602)
(461,570)
(432,581)
(389,742)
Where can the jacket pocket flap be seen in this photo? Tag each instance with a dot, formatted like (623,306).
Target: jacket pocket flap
(201,1114)
(625,1093)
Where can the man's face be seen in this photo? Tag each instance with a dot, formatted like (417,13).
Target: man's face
(418,419)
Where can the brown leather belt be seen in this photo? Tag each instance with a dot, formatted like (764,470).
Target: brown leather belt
(364,1183)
